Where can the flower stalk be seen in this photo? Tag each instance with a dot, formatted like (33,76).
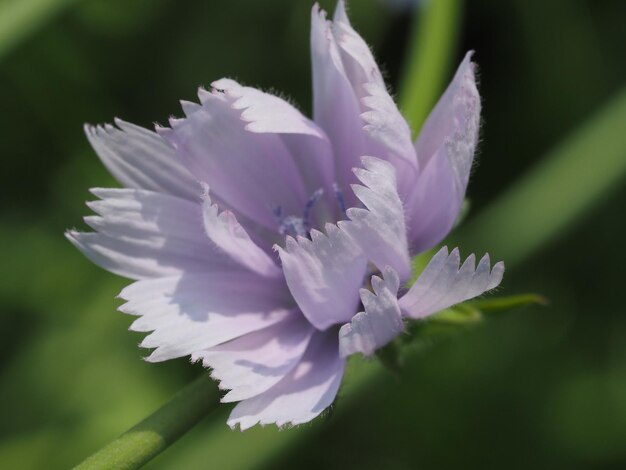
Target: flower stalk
(158,431)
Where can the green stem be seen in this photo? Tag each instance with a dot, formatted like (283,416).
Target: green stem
(430,54)
(147,439)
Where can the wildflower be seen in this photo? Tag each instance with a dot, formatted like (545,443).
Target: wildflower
(253,231)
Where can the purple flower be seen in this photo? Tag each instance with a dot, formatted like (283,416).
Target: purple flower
(252,232)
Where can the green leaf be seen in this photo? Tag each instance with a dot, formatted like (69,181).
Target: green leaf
(502,304)
(473,311)
(462,314)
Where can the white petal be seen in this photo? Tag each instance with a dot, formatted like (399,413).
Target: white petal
(444,284)
(139,158)
(193,312)
(251,364)
(230,237)
(324,275)
(303,394)
(143,234)
(380,229)
(379,323)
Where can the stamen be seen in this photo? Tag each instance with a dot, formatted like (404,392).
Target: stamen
(293,226)
(297,226)
(340,200)
(307,208)
(301,226)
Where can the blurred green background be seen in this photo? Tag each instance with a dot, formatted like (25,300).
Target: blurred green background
(540,387)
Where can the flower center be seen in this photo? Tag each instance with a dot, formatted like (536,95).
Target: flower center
(300,226)
(294,225)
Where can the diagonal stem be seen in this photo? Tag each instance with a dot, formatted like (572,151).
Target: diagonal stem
(158,431)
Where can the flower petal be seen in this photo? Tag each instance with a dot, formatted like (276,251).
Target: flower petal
(251,364)
(432,207)
(456,116)
(229,236)
(193,312)
(446,145)
(303,394)
(389,133)
(324,275)
(266,113)
(335,105)
(379,323)
(139,158)
(306,142)
(352,104)
(356,55)
(248,172)
(379,229)
(143,234)
(444,284)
